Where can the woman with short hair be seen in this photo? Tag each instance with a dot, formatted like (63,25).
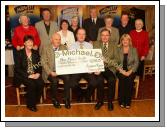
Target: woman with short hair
(114,32)
(74,26)
(28,72)
(67,37)
(140,41)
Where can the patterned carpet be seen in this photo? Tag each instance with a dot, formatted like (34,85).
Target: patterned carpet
(146,91)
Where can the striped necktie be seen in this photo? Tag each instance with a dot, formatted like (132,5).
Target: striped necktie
(105,53)
(105,49)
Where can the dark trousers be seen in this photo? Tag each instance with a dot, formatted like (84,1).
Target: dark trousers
(90,78)
(111,79)
(140,68)
(125,88)
(54,85)
(15,52)
(100,87)
(34,90)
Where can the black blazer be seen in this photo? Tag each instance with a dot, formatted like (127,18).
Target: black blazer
(92,29)
(21,65)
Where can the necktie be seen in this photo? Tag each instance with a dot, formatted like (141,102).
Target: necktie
(105,49)
(94,21)
(81,46)
(55,49)
(105,53)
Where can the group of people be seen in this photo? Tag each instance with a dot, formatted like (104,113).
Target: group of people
(34,49)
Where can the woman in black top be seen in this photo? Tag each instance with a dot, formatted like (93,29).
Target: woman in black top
(74,26)
(28,72)
(127,59)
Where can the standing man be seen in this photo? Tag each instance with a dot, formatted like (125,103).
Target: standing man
(46,28)
(109,54)
(89,77)
(92,25)
(125,27)
(48,63)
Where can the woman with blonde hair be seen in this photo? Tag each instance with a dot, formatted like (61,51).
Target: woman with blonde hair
(127,60)
(74,26)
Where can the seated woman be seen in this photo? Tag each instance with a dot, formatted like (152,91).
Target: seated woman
(28,72)
(67,37)
(127,60)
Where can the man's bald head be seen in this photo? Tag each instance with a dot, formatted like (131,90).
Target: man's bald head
(56,40)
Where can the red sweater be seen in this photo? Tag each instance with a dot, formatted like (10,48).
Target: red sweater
(20,32)
(140,41)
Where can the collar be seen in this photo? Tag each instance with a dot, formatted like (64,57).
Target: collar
(139,30)
(46,24)
(55,49)
(26,27)
(94,19)
(106,44)
(80,42)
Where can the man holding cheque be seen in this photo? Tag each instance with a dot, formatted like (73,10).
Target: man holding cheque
(90,77)
(48,63)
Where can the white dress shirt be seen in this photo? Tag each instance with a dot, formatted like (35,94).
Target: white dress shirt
(76,45)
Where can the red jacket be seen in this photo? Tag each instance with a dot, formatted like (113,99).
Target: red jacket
(140,41)
(20,32)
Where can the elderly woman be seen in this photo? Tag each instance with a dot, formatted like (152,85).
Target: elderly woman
(114,32)
(28,72)
(140,41)
(25,29)
(127,60)
(67,37)
(74,26)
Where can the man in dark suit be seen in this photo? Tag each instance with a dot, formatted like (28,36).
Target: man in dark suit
(92,25)
(125,26)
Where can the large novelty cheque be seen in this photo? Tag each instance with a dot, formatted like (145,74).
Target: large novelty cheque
(78,61)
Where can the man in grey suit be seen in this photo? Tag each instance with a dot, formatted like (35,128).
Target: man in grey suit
(48,64)
(46,28)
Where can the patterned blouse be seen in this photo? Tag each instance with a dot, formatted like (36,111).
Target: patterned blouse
(30,69)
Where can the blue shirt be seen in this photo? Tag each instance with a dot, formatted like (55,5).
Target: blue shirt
(76,45)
